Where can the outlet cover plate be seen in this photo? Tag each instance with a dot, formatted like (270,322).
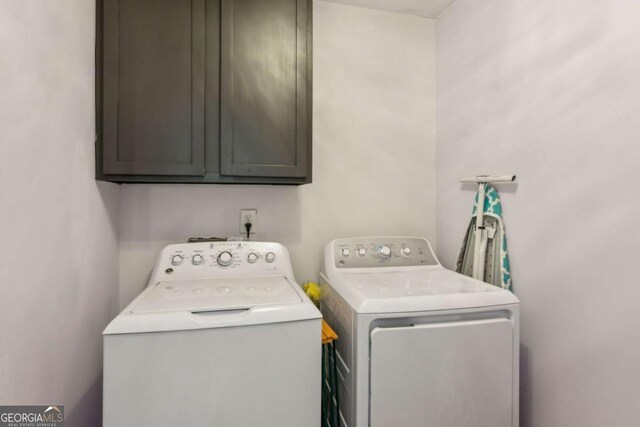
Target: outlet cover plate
(248,215)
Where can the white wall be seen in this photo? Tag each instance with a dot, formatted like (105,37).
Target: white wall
(374,171)
(426,8)
(58,246)
(550,91)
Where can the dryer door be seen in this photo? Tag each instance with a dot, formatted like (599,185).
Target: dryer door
(442,375)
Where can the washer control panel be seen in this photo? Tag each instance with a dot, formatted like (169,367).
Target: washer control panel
(366,252)
(236,258)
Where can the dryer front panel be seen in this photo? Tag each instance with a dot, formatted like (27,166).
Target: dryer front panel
(442,374)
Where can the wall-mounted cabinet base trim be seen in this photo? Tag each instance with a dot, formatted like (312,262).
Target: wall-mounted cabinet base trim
(209,178)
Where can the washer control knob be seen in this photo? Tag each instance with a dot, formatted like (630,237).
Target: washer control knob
(345,252)
(406,251)
(252,258)
(270,257)
(383,252)
(197,259)
(362,252)
(177,259)
(225,259)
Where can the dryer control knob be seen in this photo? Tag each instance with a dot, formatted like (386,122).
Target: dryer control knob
(361,252)
(345,252)
(270,257)
(225,259)
(406,251)
(252,258)
(197,259)
(383,252)
(177,259)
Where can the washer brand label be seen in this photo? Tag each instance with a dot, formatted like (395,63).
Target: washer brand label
(32,416)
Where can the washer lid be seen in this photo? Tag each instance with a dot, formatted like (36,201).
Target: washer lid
(217,295)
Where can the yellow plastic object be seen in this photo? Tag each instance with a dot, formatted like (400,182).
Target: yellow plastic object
(328,334)
(313,291)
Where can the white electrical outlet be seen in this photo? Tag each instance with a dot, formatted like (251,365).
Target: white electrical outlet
(248,216)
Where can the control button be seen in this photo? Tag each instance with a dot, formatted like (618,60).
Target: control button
(406,251)
(346,253)
(177,259)
(252,258)
(197,259)
(270,257)
(362,252)
(225,259)
(383,252)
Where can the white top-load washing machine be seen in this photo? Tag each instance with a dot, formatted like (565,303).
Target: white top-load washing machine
(419,345)
(222,336)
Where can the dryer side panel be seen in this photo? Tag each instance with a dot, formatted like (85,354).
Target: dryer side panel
(340,317)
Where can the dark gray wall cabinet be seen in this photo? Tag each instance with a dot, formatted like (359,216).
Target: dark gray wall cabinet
(204,91)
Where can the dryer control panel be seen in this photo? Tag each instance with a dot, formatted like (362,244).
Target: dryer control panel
(367,252)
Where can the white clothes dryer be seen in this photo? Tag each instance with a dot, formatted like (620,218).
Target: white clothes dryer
(419,345)
(222,336)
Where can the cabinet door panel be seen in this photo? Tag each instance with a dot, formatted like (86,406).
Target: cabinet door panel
(153,87)
(264,88)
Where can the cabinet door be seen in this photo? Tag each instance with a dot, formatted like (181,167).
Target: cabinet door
(153,117)
(264,88)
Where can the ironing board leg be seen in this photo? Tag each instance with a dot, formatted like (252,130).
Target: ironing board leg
(324,415)
(334,386)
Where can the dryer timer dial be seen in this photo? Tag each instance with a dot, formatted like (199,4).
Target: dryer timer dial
(383,252)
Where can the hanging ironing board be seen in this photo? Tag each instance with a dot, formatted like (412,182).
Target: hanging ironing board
(484,254)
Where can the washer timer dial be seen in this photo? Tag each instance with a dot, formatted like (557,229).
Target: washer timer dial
(225,259)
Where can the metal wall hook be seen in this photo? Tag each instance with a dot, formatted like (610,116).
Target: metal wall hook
(489,178)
